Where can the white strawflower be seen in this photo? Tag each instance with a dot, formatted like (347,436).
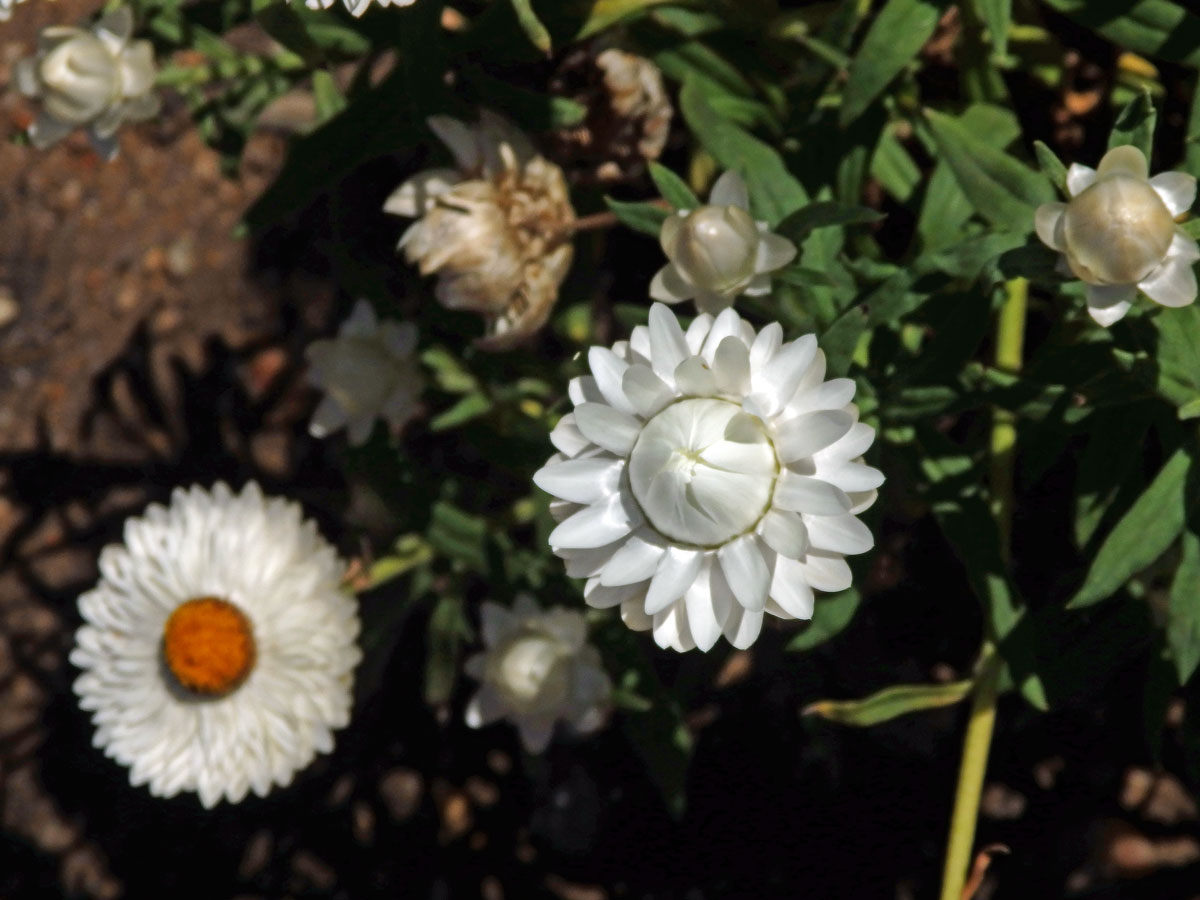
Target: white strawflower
(708,478)
(96,79)
(497,230)
(368,371)
(217,650)
(1118,233)
(356,7)
(717,252)
(6,9)
(537,668)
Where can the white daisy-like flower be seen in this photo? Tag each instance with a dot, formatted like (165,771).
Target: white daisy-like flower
(356,7)
(368,371)
(709,477)
(537,669)
(1118,234)
(217,650)
(717,252)
(95,78)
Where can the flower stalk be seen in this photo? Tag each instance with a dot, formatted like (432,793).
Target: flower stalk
(1010,340)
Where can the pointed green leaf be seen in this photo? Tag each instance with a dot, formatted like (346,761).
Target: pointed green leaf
(644,217)
(1142,534)
(1159,28)
(1052,166)
(1135,124)
(532,25)
(830,616)
(890,703)
(673,188)
(997,15)
(1183,622)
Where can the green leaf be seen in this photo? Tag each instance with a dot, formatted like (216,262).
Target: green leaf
(774,193)
(997,14)
(830,616)
(459,536)
(1052,166)
(326,95)
(890,703)
(644,217)
(1115,442)
(448,628)
(1183,610)
(532,25)
(673,188)
(894,168)
(532,110)
(898,32)
(1142,534)
(1135,124)
(825,214)
(470,406)
(409,551)
(1177,355)
(1158,28)
(1002,190)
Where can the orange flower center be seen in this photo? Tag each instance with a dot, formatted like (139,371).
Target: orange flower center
(208,646)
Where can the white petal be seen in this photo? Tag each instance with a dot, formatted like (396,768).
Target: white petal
(694,379)
(580,480)
(746,571)
(535,733)
(417,195)
(697,332)
(668,346)
(833,394)
(785,533)
(646,391)
(669,286)
(702,618)
(484,708)
(567,438)
(851,476)
(1177,189)
(496,622)
(1046,222)
(606,427)
(727,324)
(1079,179)
(635,562)
(601,597)
(634,618)
(459,138)
(671,629)
(856,442)
(1108,303)
(1125,159)
(782,375)
(790,589)
(774,252)
(766,344)
(808,433)
(595,526)
(731,367)
(827,573)
(609,369)
(730,190)
(675,573)
(1173,283)
(800,493)
(1183,247)
(839,534)
(742,627)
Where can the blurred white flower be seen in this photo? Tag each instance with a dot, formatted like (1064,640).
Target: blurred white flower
(496,230)
(717,252)
(6,9)
(1118,233)
(707,478)
(217,650)
(537,668)
(368,371)
(97,78)
(356,7)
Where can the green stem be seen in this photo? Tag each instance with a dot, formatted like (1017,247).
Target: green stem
(1010,339)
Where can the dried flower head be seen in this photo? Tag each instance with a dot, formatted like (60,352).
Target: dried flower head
(1117,233)
(95,78)
(537,668)
(707,478)
(628,119)
(718,251)
(369,371)
(496,230)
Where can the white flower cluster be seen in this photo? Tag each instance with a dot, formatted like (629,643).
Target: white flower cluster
(718,251)
(218,651)
(95,78)
(1118,234)
(709,477)
(356,7)
(537,669)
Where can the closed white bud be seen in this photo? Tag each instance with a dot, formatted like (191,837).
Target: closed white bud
(718,251)
(94,78)
(1117,233)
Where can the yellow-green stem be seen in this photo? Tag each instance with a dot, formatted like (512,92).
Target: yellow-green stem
(1010,339)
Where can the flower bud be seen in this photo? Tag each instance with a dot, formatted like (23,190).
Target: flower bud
(1118,234)
(531,672)
(718,251)
(95,78)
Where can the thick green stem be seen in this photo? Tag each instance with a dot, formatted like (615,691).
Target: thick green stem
(1010,339)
